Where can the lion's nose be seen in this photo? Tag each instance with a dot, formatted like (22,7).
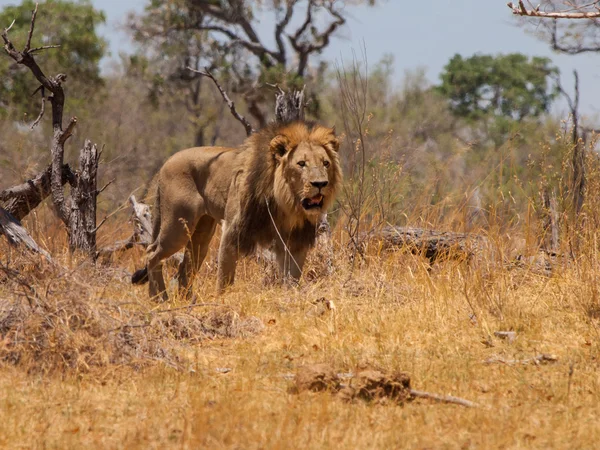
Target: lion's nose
(319,184)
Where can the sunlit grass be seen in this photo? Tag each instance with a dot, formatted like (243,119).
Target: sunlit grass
(392,312)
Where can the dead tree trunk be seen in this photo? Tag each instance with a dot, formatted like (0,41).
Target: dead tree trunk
(78,213)
(289,105)
(82,218)
(550,222)
(20,200)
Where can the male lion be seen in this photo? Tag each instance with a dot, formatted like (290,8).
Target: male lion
(273,188)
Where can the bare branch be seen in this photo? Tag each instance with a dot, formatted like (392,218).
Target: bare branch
(319,40)
(230,104)
(19,200)
(31,28)
(255,47)
(142,221)
(10,26)
(100,191)
(42,110)
(68,131)
(235,16)
(95,230)
(280,27)
(443,398)
(520,10)
(78,213)
(57,99)
(43,47)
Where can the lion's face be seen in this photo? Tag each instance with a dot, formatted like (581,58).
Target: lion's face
(308,172)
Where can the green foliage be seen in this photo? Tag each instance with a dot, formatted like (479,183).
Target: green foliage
(510,86)
(72,25)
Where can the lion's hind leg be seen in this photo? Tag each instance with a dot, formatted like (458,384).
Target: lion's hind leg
(195,253)
(176,229)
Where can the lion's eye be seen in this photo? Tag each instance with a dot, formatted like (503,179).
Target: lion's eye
(326,163)
(302,163)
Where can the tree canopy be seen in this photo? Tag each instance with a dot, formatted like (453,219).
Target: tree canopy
(510,86)
(70,24)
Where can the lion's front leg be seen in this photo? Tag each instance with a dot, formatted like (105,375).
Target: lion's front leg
(228,256)
(290,261)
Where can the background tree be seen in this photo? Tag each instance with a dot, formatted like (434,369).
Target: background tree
(224,35)
(511,86)
(73,25)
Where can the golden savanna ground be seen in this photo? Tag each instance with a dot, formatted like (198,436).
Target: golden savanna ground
(98,365)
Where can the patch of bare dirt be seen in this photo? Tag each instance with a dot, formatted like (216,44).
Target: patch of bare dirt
(367,384)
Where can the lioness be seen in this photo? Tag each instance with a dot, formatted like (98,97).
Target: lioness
(273,188)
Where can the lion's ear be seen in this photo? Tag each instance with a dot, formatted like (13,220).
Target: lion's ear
(279,146)
(334,143)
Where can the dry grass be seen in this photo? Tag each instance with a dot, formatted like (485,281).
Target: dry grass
(88,361)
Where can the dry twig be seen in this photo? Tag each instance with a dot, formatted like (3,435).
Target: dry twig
(443,398)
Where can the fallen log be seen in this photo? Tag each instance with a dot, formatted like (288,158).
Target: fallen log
(20,200)
(432,244)
(17,235)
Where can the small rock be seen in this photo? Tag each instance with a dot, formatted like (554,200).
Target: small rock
(509,336)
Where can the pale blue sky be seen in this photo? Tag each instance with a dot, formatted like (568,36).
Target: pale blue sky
(417,33)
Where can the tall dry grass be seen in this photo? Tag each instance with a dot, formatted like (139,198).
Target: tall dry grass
(87,360)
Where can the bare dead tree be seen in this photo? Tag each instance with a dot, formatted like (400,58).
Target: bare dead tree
(77,212)
(550,221)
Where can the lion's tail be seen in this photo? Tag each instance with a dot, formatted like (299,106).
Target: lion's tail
(141,276)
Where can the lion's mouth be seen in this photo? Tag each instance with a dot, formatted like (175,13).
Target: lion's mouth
(313,202)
